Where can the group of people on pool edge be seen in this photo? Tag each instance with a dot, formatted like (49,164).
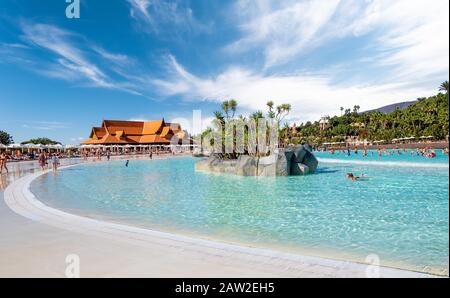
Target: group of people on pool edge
(425,152)
(98,154)
(45,157)
(43,160)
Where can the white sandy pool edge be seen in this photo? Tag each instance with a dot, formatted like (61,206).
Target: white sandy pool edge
(19,198)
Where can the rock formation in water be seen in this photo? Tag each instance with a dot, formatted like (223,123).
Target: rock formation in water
(298,160)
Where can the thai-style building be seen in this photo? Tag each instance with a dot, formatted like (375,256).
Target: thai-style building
(116,132)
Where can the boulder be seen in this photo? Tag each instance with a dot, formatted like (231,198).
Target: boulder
(289,154)
(311,161)
(299,154)
(247,166)
(227,166)
(294,160)
(273,165)
(208,164)
(308,147)
(298,169)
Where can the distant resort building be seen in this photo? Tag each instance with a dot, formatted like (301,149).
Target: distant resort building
(158,132)
(324,123)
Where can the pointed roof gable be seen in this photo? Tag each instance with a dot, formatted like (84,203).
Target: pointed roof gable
(128,127)
(98,132)
(153,127)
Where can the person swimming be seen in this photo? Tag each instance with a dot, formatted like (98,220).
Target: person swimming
(127,163)
(352,177)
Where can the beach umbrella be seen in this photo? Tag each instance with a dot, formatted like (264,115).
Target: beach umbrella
(15,146)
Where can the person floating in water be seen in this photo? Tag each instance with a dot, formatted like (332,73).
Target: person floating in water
(356,178)
(127,163)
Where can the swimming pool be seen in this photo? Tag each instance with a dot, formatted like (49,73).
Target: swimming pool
(400,213)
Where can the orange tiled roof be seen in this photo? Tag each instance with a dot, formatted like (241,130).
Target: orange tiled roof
(152,127)
(98,132)
(165,131)
(133,132)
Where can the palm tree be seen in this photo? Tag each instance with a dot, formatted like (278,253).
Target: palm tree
(282,111)
(444,87)
(219,116)
(271,112)
(257,115)
(226,107)
(342,110)
(233,106)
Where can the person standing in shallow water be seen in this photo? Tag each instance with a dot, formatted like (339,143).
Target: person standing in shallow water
(55,162)
(3,161)
(42,161)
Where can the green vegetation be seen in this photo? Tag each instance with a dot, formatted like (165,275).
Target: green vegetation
(427,117)
(5,138)
(222,118)
(43,141)
(444,87)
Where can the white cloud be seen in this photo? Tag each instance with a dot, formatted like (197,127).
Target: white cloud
(283,31)
(71,60)
(407,56)
(412,35)
(119,59)
(311,96)
(162,16)
(45,125)
(417,41)
(57,41)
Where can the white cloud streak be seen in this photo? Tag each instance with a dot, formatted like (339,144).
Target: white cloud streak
(163,17)
(311,96)
(411,34)
(70,62)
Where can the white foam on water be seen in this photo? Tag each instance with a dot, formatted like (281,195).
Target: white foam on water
(386,163)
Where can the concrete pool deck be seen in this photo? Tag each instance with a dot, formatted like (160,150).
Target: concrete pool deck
(37,246)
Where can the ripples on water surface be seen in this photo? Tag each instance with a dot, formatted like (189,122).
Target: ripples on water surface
(400,213)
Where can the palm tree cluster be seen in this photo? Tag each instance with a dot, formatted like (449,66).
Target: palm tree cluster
(227,116)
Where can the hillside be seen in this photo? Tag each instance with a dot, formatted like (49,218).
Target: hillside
(392,107)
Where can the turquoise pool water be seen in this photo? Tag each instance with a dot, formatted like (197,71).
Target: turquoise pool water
(392,156)
(401,213)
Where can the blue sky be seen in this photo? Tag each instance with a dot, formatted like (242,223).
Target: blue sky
(146,59)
